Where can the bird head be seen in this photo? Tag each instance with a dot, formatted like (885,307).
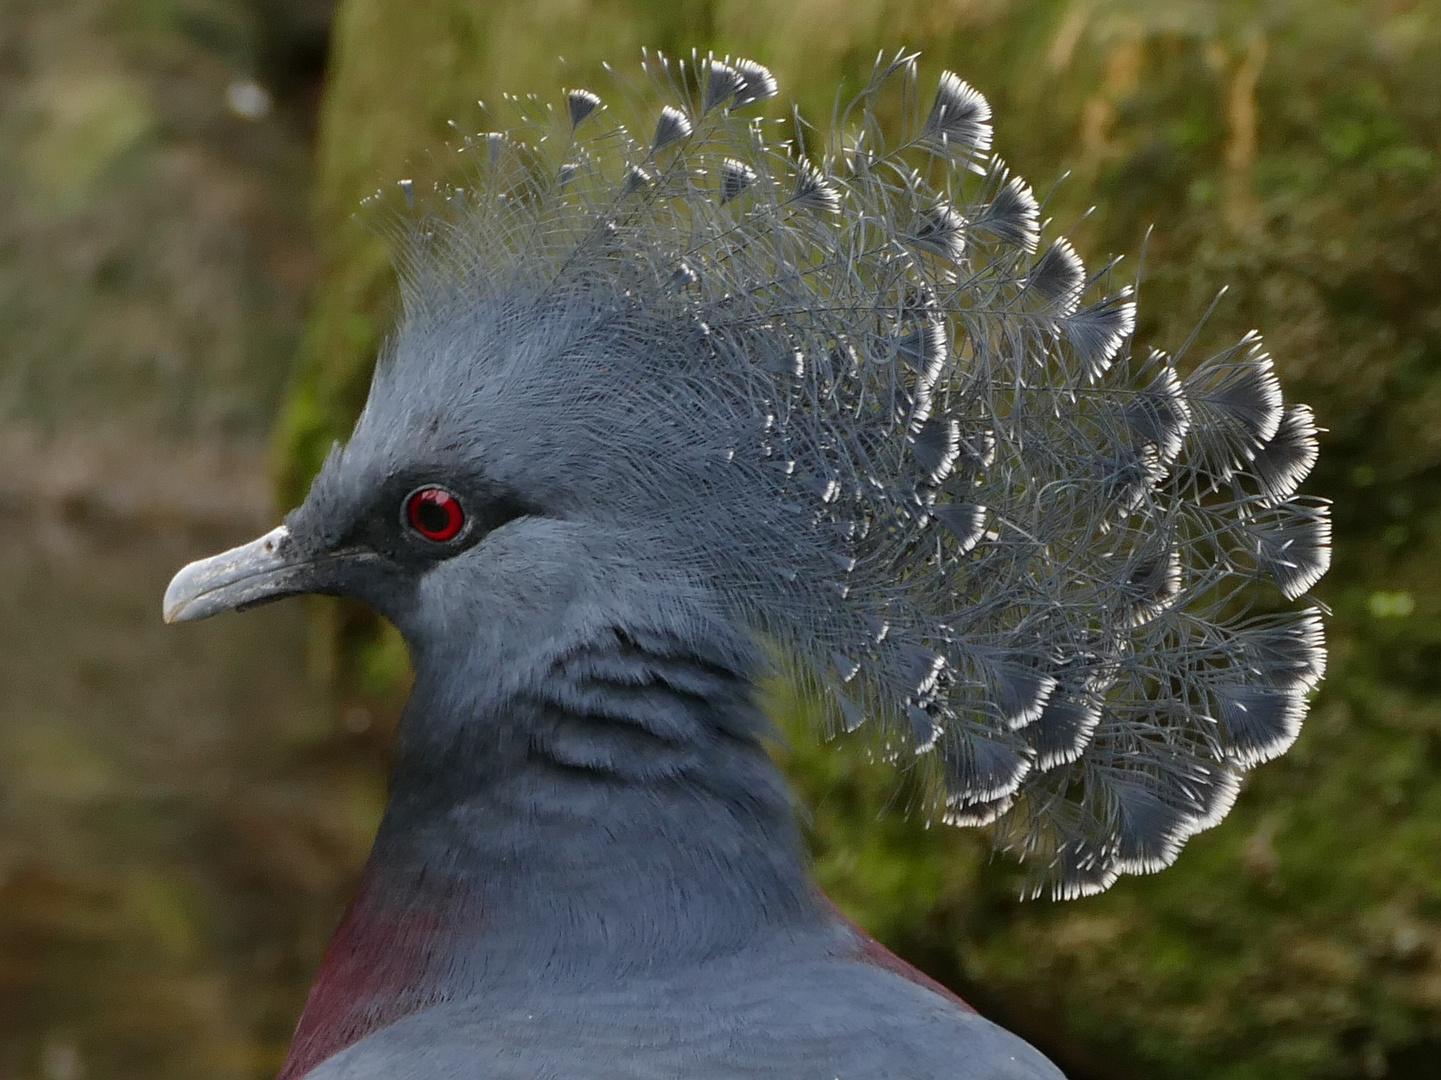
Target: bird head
(700,384)
(525,464)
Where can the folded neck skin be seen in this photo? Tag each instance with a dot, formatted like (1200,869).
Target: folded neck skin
(567,807)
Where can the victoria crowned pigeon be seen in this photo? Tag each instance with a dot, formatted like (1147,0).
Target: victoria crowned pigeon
(675,401)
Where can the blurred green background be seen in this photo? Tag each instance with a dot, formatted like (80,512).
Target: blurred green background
(183,812)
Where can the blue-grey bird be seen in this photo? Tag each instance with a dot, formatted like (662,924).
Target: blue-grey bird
(678,399)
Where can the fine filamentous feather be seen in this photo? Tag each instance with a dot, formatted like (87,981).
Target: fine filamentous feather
(850,388)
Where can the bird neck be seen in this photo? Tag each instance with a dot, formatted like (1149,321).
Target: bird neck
(621,813)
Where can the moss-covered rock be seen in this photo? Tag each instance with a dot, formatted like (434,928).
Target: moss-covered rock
(1294,153)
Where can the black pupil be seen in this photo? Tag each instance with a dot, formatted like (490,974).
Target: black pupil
(431,515)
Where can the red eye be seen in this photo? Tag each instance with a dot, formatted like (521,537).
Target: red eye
(435,513)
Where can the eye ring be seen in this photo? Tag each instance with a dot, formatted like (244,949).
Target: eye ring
(434,513)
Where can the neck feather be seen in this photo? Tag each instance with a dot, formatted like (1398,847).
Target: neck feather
(619,812)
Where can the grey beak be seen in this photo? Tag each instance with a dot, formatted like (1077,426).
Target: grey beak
(264,569)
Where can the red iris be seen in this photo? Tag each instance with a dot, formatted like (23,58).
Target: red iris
(435,513)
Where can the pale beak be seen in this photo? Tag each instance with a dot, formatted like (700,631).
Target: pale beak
(264,569)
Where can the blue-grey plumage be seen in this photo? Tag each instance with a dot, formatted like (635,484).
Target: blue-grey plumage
(785,1018)
(659,403)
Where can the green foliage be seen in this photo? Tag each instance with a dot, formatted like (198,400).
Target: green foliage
(1290,150)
